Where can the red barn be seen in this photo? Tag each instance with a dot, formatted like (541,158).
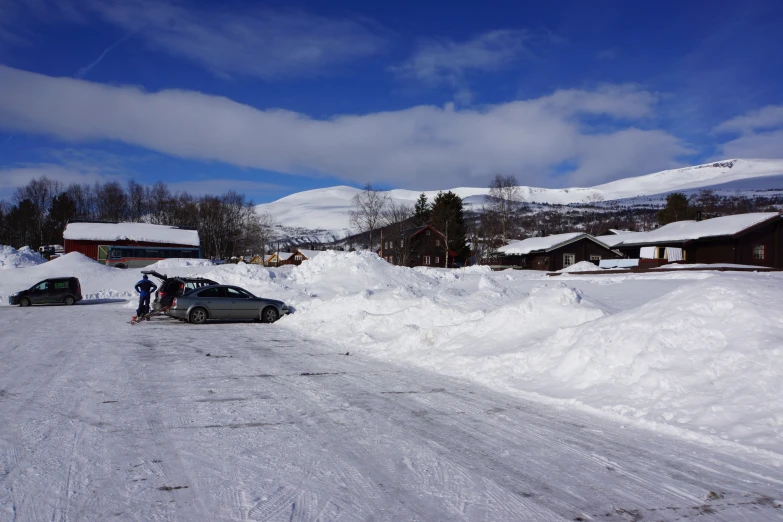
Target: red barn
(97,239)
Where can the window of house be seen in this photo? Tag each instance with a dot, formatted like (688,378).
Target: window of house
(758,251)
(426,260)
(437,242)
(595,259)
(437,260)
(428,232)
(568,260)
(661,253)
(402,242)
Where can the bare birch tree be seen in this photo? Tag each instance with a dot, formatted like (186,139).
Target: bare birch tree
(367,213)
(504,202)
(397,221)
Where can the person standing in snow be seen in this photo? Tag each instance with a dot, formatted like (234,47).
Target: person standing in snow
(145,287)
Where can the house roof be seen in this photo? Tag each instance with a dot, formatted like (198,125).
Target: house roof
(681,231)
(142,232)
(283,256)
(418,230)
(309,254)
(618,237)
(545,244)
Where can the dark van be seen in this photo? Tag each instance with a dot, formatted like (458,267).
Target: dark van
(65,290)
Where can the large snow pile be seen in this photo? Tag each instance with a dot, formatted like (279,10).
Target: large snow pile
(97,281)
(13,258)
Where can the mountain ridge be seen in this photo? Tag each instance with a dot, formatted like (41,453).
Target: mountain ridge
(324,214)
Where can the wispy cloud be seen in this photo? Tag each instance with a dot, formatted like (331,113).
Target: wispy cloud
(420,147)
(84,70)
(768,117)
(447,61)
(761,134)
(606,54)
(259,42)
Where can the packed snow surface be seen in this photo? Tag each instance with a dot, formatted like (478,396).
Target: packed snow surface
(13,258)
(142,232)
(695,353)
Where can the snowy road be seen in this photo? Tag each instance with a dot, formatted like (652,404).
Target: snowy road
(102,420)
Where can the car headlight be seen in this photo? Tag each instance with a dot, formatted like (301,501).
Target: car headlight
(14,295)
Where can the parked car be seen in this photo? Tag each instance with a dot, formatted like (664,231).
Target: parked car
(64,290)
(224,302)
(171,287)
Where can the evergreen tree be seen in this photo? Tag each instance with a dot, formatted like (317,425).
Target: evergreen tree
(61,211)
(448,218)
(422,212)
(676,209)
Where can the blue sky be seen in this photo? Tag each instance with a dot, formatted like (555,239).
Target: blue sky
(272,98)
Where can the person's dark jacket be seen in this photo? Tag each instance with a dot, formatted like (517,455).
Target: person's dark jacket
(145,287)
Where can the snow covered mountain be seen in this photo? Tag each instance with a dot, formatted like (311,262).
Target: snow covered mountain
(323,214)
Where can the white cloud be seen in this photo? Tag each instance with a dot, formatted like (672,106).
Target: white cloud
(768,117)
(11,178)
(761,134)
(447,61)
(258,42)
(764,145)
(420,147)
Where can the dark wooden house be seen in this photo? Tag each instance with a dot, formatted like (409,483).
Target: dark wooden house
(553,252)
(745,239)
(419,246)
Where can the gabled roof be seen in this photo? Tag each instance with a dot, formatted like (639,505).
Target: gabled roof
(682,231)
(309,254)
(412,232)
(546,244)
(142,232)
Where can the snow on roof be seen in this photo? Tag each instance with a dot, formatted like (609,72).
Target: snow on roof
(283,256)
(309,254)
(142,232)
(690,230)
(533,244)
(618,237)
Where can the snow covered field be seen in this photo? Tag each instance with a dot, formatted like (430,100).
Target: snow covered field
(687,360)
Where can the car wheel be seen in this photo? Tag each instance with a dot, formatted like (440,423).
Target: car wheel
(198,316)
(24,302)
(269,315)
(68,300)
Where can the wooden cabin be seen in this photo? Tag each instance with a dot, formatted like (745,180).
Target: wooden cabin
(553,253)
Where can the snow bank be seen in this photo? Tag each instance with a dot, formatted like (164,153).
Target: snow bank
(176,262)
(97,281)
(13,258)
(705,356)
(581,266)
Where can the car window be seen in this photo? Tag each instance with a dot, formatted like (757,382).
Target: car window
(41,286)
(210,292)
(235,293)
(59,285)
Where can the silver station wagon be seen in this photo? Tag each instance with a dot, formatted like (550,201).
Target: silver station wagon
(225,303)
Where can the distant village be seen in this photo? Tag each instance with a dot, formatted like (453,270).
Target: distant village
(505,233)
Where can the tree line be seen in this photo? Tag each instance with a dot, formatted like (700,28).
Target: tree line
(505,216)
(39,212)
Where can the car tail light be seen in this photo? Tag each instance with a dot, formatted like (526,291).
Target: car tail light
(174,303)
